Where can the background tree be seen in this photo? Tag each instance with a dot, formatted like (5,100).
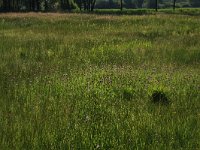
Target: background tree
(111,3)
(121,4)
(139,3)
(129,3)
(195,3)
(174,4)
(151,3)
(89,4)
(68,5)
(79,4)
(156,5)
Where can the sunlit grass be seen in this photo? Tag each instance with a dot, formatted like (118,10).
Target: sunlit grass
(80,81)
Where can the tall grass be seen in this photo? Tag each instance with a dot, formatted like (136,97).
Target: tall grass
(78,81)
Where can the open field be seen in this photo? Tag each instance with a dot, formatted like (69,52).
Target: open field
(83,81)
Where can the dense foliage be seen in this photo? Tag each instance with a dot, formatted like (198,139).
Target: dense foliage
(89,5)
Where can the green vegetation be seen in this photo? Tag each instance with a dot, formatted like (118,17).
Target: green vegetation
(83,81)
(90,5)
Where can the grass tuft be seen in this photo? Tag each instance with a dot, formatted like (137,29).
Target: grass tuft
(159,97)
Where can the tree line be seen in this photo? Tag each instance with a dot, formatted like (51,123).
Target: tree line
(45,5)
(88,5)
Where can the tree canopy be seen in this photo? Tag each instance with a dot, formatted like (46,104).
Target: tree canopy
(89,5)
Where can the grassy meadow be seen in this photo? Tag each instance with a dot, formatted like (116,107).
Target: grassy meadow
(84,81)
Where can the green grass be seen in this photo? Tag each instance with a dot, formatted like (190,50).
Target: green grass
(143,11)
(83,81)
